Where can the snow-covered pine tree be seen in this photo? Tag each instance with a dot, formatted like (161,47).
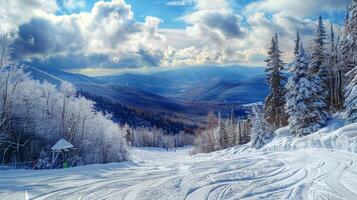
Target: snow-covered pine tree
(232,129)
(336,89)
(304,104)
(345,49)
(297,43)
(319,61)
(260,132)
(353,23)
(222,133)
(353,32)
(274,103)
(351,97)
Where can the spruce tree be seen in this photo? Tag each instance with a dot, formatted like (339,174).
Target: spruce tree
(351,97)
(304,103)
(222,133)
(297,43)
(353,32)
(318,54)
(275,101)
(260,132)
(319,62)
(336,88)
(345,48)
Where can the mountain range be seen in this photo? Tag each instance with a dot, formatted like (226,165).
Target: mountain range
(181,95)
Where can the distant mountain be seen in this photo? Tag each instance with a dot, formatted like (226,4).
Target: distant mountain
(56,76)
(131,97)
(243,92)
(177,83)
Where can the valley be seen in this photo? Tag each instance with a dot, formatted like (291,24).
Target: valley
(182,97)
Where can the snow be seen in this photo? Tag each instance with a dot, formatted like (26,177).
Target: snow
(322,165)
(62,144)
(337,136)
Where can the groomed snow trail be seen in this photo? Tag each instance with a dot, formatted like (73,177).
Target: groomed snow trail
(230,174)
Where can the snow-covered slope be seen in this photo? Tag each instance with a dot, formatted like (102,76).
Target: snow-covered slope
(319,166)
(337,135)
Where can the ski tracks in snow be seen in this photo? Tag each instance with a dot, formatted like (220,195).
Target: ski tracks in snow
(229,174)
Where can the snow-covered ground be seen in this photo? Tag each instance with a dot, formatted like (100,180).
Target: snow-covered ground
(314,167)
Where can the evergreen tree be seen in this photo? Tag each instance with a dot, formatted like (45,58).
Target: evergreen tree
(274,103)
(223,136)
(345,49)
(232,130)
(353,21)
(304,104)
(348,61)
(222,133)
(260,132)
(318,54)
(351,97)
(353,33)
(297,43)
(336,89)
(319,58)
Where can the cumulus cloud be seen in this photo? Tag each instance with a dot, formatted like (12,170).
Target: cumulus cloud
(109,37)
(13,13)
(214,19)
(108,33)
(225,37)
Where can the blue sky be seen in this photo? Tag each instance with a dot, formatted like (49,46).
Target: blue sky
(104,37)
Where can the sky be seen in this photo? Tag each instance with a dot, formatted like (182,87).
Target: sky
(107,37)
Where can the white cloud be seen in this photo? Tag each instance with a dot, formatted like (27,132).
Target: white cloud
(108,35)
(109,29)
(14,12)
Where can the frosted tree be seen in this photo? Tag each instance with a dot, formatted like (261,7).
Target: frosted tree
(319,58)
(222,133)
(351,97)
(275,101)
(348,61)
(352,29)
(260,132)
(336,88)
(297,43)
(231,130)
(5,50)
(304,104)
(346,50)
(353,25)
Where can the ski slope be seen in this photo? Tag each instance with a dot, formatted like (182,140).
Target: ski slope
(230,174)
(314,167)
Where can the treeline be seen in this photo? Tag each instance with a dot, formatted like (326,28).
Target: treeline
(137,118)
(34,116)
(157,137)
(221,133)
(321,81)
